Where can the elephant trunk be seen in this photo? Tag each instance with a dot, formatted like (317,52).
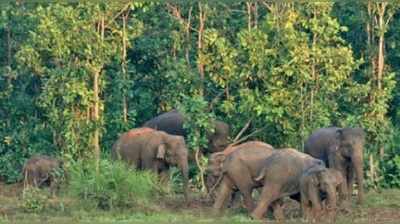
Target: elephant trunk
(331,198)
(184,167)
(358,166)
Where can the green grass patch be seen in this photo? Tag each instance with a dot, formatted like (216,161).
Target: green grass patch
(114,185)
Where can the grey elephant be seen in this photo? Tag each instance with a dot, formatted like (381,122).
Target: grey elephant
(172,123)
(341,149)
(280,177)
(41,171)
(237,167)
(149,149)
(316,185)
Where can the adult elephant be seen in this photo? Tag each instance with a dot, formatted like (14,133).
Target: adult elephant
(238,166)
(280,177)
(341,149)
(172,123)
(149,149)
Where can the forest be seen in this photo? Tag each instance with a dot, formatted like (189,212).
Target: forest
(75,75)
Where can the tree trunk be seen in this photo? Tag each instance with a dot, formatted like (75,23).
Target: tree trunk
(248,5)
(200,65)
(8,46)
(187,49)
(381,26)
(96,134)
(96,106)
(255,15)
(123,67)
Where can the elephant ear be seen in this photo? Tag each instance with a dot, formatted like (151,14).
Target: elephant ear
(338,177)
(161,151)
(220,157)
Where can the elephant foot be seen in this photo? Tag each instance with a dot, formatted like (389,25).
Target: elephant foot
(256,216)
(345,207)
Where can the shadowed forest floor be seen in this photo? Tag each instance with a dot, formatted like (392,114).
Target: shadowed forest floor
(383,207)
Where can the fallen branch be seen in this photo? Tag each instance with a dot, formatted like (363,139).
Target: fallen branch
(246,137)
(215,185)
(246,126)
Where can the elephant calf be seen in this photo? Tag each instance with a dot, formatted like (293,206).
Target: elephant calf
(238,166)
(149,149)
(41,170)
(317,184)
(280,175)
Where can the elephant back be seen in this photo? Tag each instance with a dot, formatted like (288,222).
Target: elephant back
(127,136)
(138,131)
(170,122)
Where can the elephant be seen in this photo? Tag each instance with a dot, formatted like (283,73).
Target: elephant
(172,123)
(41,170)
(150,149)
(280,177)
(237,167)
(317,184)
(341,149)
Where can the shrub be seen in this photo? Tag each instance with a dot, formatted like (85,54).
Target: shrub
(34,200)
(114,185)
(391,171)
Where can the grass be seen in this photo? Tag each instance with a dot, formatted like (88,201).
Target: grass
(383,207)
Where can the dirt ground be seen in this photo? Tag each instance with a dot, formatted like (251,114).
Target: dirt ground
(379,207)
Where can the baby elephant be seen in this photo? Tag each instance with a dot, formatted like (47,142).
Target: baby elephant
(41,170)
(317,184)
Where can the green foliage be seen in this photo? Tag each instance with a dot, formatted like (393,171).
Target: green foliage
(390,164)
(198,121)
(34,200)
(113,185)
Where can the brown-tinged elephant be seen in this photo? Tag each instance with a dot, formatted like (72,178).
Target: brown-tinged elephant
(172,123)
(316,185)
(149,149)
(280,177)
(341,149)
(41,170)
(238,166)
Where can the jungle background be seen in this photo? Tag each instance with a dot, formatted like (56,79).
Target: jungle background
(76,74)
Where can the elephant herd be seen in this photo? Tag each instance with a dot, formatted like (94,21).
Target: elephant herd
(332,159)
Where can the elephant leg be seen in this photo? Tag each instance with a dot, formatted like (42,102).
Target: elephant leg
(236,200)
(269,194)
(343,187)
(245,187)
(315,205)
(350,181)
(305,207)
(277,208)
(225,191)
(149,164)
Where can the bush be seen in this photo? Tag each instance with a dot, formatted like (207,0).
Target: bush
(391,172)
(115,185)
(34,200)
